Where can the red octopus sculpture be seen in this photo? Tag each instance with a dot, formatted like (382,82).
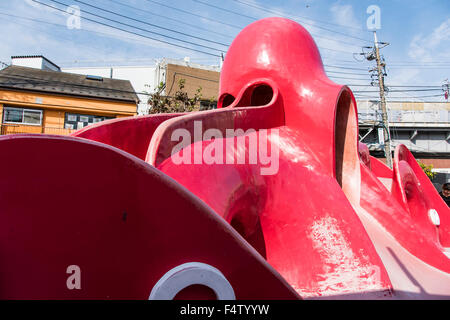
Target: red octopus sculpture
(268,197)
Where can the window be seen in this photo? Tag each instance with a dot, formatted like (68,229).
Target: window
(208,105)
(79,121)
(22,116)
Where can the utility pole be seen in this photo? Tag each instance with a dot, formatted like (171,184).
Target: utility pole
(446,89)
(387,135)
(380,73)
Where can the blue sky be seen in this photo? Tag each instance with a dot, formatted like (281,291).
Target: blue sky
(418,33)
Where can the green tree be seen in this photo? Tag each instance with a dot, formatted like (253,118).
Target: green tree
(180,102)
(427,169)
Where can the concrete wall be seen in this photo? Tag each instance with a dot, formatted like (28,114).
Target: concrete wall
(29,62)
(34,62)
(410,112)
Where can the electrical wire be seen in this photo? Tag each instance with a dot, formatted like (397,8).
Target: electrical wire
(255,19)
(406,90)
(194,14)
(118,37)
(151,24)
(132,32)
(138,28)
(296,18)
(344,67)
(35,80)
(339,72)
(170,19)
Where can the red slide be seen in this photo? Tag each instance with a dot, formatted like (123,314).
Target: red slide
(268,197)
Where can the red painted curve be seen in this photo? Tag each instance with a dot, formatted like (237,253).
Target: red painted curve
(125,229)
(132,134)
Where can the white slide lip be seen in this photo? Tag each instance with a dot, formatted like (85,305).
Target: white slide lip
(188,274)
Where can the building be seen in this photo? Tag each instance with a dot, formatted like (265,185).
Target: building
(196,76)
(37,62)
(142,78)
(34,100)
(424,127)
(146,79)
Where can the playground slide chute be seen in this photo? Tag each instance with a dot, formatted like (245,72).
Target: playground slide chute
(268,197)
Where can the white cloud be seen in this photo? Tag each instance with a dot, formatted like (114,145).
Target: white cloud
(434,46)
(344,15)
(21,37)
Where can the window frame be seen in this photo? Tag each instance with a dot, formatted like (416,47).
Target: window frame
(5,108)
(78,118)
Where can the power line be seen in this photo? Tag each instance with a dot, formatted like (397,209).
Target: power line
(340,72)
(344,67)
(171,19)
(132,32)
(335,50)
(35,80)
(156,33)
(226,10)
(124,37)
(194,14)
(407,97)
(141,29)
(406,90)
(419,67)
(421,63)
(296,18)
(119,37)
(413,86)
(151,24)
(61,25)
(401,86)
(254,19)
(347,78)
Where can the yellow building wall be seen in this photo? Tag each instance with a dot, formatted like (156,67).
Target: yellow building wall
(67,103)
(53,122)
(54,109)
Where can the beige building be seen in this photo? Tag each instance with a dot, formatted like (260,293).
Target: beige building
(195,77)
(424,127)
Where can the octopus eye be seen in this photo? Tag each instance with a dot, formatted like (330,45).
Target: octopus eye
(261,95)
(227,100)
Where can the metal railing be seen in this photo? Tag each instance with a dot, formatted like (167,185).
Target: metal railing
(6,129)
(406,116)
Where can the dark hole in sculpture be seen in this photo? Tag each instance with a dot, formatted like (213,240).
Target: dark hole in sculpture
(261,95)
(255,239)
(227,100)
(345,139)
(196,292)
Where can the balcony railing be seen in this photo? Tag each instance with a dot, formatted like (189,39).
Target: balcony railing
(6,129)
(406,116)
